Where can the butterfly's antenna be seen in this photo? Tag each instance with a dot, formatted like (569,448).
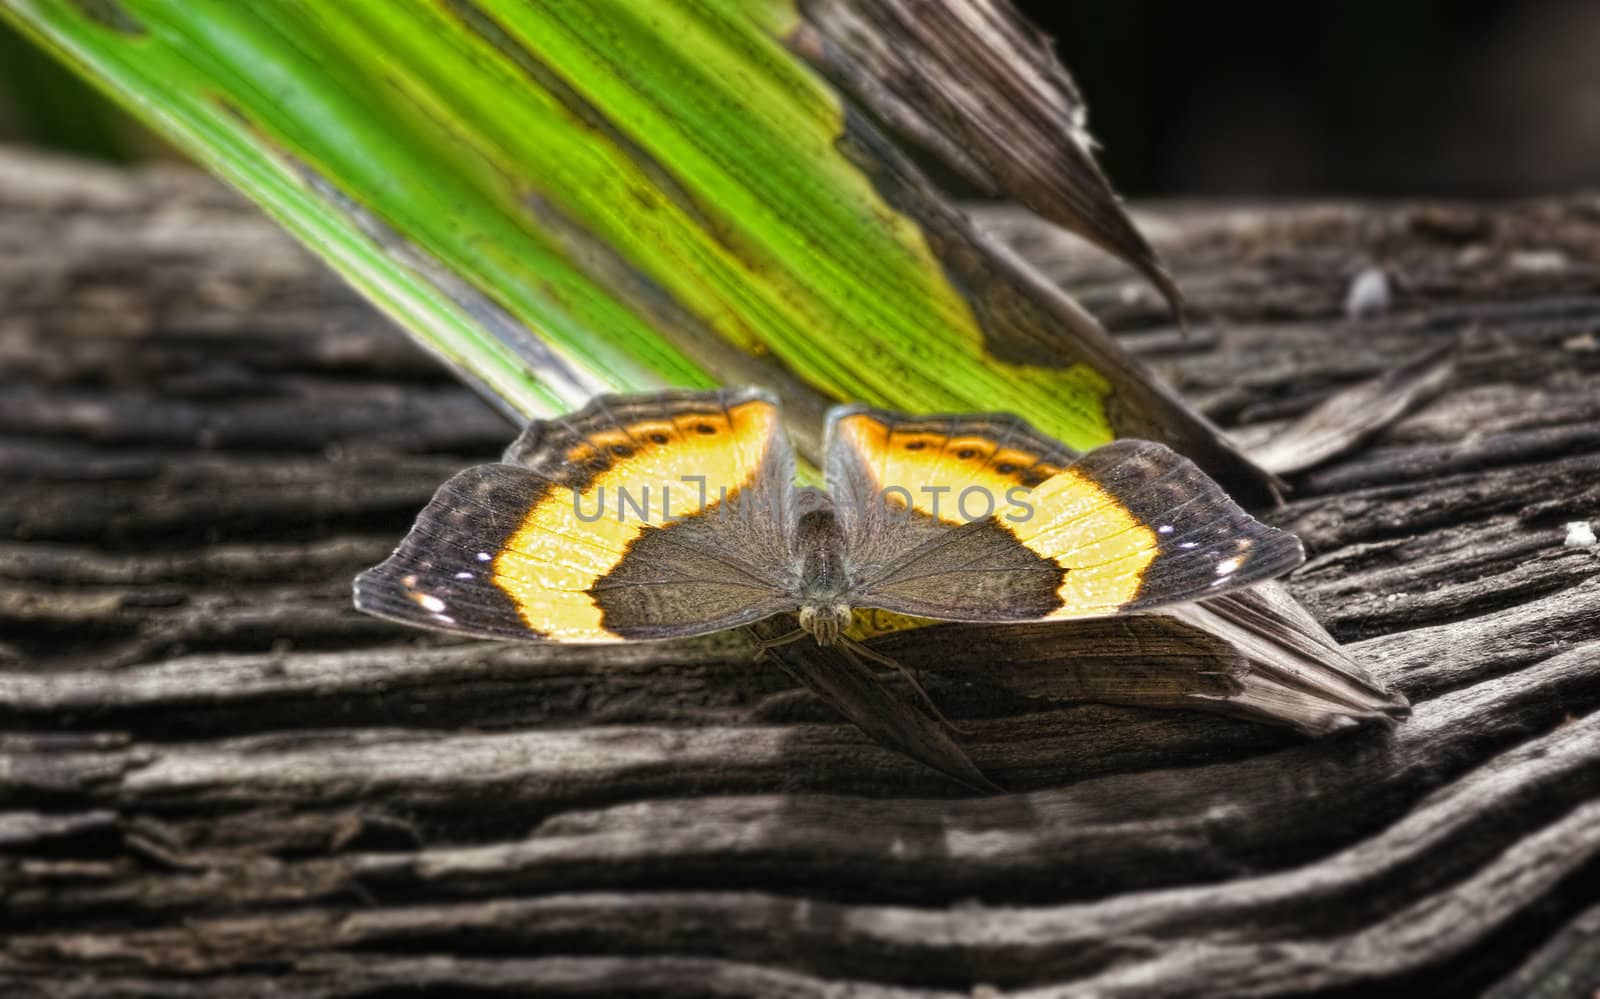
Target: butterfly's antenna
(856,651)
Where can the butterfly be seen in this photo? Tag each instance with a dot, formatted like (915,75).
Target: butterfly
(677,513)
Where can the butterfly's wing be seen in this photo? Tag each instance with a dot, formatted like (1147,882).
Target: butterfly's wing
(638,517)
(1129,526)
(897,480)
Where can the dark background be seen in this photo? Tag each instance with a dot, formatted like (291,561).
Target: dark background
(1232,97)
(1359,96)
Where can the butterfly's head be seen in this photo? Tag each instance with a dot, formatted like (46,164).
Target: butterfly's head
(825,620)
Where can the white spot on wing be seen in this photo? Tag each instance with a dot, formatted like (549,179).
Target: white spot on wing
(463,575)
(1580,534)
(429,602)
(1164,529)
(1227,566)
(484,556)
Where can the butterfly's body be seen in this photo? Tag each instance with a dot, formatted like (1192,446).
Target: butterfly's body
(823,581)
(676,514)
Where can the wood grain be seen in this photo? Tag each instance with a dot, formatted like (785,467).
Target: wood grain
(218,779)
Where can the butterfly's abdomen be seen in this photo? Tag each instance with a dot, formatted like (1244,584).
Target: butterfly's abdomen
(819,543)
(821,549)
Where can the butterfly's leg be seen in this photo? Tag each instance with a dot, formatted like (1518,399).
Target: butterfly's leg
(854,649)
(765,645)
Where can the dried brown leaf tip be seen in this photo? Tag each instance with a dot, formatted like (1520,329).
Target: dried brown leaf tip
(976,85)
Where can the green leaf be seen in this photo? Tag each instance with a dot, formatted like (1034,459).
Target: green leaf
(571,196)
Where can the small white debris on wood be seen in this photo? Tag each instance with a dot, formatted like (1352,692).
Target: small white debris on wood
(1580,534)
(1368,295)
(1538,261)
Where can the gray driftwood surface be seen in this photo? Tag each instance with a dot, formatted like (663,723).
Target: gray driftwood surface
(217,779)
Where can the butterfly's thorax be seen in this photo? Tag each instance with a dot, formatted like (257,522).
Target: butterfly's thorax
(820,548)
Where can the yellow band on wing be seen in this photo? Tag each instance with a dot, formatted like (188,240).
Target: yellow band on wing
(656,471)
(1103,548)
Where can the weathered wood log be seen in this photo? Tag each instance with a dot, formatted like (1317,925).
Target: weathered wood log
(216,778)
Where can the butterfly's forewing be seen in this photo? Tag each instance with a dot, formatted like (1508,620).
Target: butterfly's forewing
(1134,525)
(638,517)
(898,481)
(1129,526)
